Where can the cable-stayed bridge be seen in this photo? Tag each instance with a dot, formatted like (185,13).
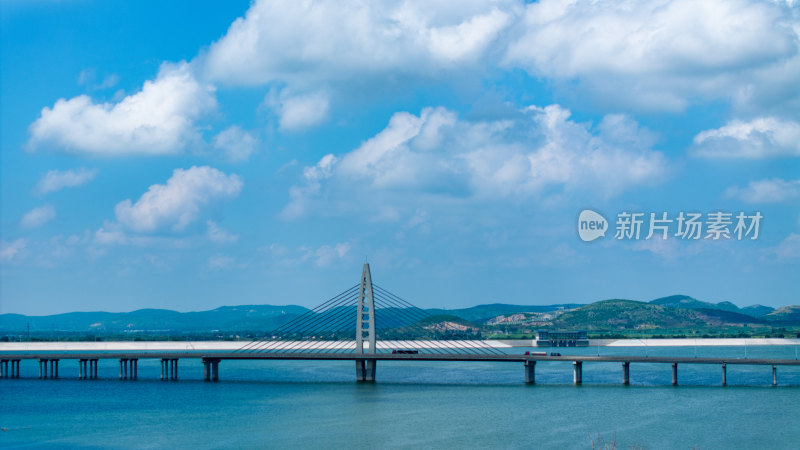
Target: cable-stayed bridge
(368,319)
(364,323)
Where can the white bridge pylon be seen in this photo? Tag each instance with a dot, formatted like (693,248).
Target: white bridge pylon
(367,319)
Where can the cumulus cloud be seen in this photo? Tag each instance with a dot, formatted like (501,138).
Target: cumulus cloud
(765,137)
(177,203)
(235,143)
(38,217)
(438,154)
(302,111)
(11,250)
(55,180)
(767,191)
(159,119)
(348,40)
(658,54)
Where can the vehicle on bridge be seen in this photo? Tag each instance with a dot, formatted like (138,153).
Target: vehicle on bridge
(405,352)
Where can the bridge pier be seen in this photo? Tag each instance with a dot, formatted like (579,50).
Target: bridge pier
(365,369)
(530,372)
(674,374)
(724,374)
(87,369)
(577,372)
(211,369)
(9,368)
(774,375)
(43,368)
(626,373)
(169,368)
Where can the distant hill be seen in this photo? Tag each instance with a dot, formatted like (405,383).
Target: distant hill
(630,314)
(686,302)
(787,314)
(757,310)
(226,318)
(482,313)
(677,311)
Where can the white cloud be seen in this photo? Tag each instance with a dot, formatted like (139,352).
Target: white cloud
(159,119)
(236,143)
(789,248)
(767,191)
(764,137)
(177,203)
(350,40)
(38,217)
(216,234)
(11,250)
(658,54)
(327,255)
(302,111)
(55,180)
(437,154)
(112,235)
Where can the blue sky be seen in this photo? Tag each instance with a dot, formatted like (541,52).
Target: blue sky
(162,155)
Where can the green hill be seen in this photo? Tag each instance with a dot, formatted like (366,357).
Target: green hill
(787,314)
(628,314)
(686,302)
(482,313)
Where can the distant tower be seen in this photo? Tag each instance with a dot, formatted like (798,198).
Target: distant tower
(365,321)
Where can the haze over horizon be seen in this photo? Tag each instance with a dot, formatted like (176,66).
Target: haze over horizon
(191,156)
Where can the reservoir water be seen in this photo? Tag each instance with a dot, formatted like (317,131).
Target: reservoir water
(317,404)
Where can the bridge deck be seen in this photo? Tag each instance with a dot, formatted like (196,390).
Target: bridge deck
(390,357)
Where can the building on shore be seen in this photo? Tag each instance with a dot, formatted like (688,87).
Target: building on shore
(545,338)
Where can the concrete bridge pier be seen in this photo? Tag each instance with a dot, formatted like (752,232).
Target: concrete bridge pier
(43,373)
(674,374)
(774,375)
(9,368)
(577,372)
(724,374)
(82,368)
(530,372)
(211,369)
(123,369)
(626,373)
(169,369)
(87,369)
(365,369)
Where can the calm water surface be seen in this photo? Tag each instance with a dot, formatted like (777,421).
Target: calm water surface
(301,404)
